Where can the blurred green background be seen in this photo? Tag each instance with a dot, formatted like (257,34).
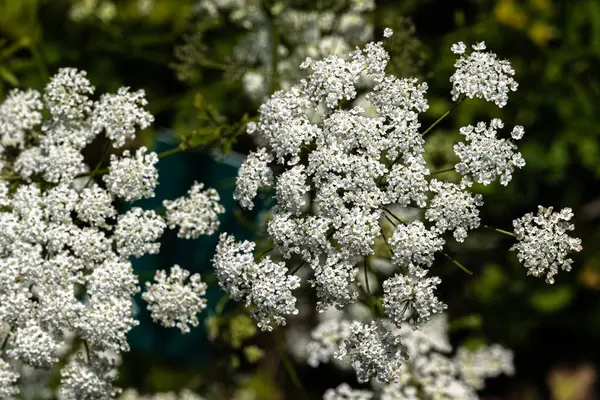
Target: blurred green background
(554,47)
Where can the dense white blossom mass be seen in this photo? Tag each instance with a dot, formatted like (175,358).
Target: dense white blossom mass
(336,166)
(66,279)
(543,242)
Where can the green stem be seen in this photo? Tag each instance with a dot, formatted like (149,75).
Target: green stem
(5,342)
(297,267)
(221,304)
(440,119)
(39,60)
(97,168)
(182,147)
(267,251)
(87,351)
(458,264)
(369,296)
(441,171)
(502,231)
(394,216)
(274,31)
(287,362)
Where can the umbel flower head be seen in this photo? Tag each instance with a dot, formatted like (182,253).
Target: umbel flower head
(430,372)
(65,269)
(543,242)
(336,165)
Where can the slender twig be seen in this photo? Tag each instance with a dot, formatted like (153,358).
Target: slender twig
(221,304)
(369,295)
(394,215)
(5,342)
(287,362)
(458,264)
(267,251)
(441,171)
(87,351)
(502,231)
(297,267)
(440,119)
(98,165)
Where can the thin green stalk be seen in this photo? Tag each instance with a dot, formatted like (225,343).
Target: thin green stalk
(458,264)
(441,171)
(369,296)
(221,304)
(39,60)
(502,231)
(5,342)
(440,119)
(289,366)
(87,351)
(267,251)
(394,215)
(182,147)
(297,267)
(98,165)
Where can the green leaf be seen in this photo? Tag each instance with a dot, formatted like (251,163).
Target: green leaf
(253,353)
(8,76)
(552,299)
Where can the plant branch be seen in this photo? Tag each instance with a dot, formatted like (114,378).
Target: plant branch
(457,263)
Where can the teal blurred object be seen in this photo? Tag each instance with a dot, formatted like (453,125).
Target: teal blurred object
(176,174)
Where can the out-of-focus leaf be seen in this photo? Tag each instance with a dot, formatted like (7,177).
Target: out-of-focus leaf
(253,353)
(8,76)
(551,299)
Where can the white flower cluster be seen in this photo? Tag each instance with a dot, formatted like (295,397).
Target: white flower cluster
(481,74)
(543,242)
(65,273)
(431,373)
(325,340)
(195,215)
(453,209)
(8,380)
(172,301)
(345,392)
(485,362)
(414,247)
(405,297)
(373,351)
(486,157)
(336,167)
(266,285)
(301,33)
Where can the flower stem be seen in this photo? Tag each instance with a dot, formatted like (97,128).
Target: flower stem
(440,119)
(457,263)
(221,304)
(394,216)
(441,171)
(502,231)
(287,363)
(297,267)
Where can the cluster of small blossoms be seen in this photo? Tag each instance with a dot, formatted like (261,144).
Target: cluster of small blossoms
(543,243)
(486,157)
(195,215)
(172,302)
(301,33)
(345,392)
(337,166)
(481,74)
(431,372)
(65,272)
(264,285)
